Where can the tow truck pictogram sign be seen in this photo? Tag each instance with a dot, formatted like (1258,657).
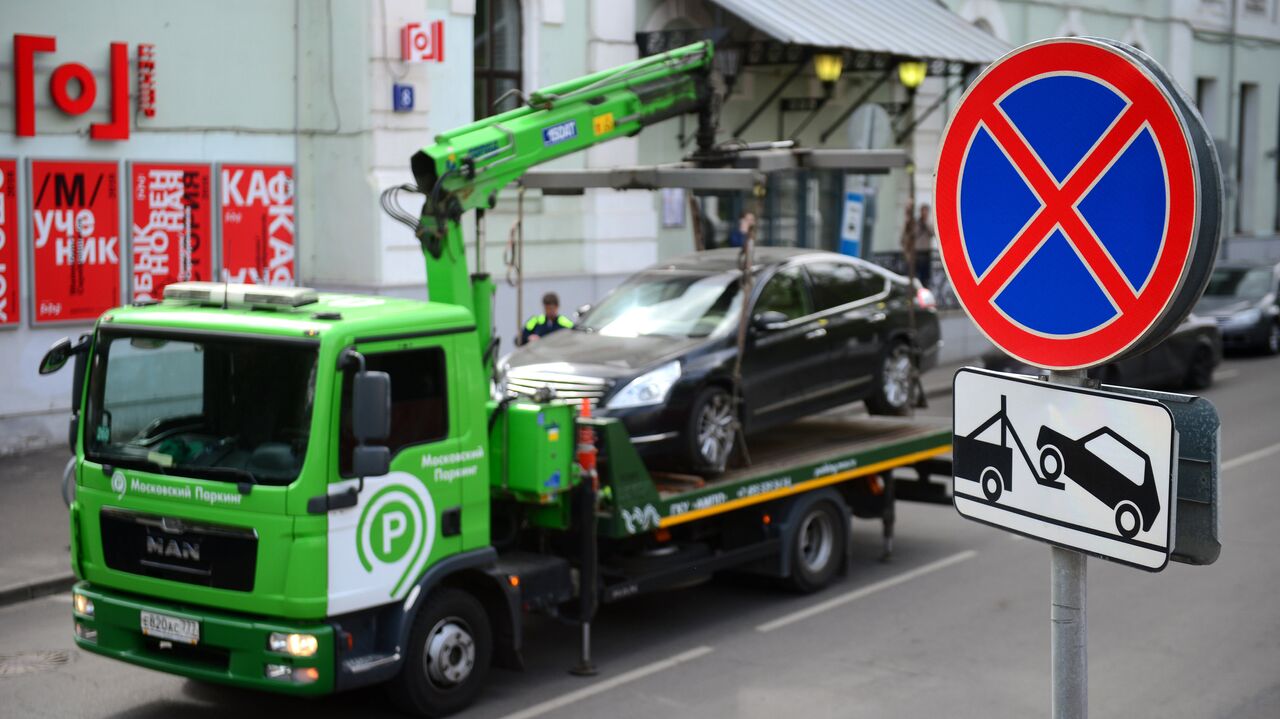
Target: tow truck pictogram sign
(1087,470)
(1076,202)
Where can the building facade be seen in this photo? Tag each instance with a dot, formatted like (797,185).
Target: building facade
(142,144)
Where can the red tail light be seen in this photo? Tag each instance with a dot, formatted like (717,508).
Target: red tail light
(925,299)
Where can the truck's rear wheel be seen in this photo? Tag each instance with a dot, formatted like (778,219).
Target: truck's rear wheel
(450,647)
(817,547)
(992,483)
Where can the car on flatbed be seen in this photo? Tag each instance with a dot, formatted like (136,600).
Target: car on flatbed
(659,351)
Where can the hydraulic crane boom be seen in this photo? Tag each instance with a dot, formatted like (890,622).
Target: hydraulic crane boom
(466,167)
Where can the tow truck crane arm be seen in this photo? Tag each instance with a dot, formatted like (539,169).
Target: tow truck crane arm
(466,167)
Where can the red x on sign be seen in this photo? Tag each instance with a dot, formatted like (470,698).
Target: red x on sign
(1088,261)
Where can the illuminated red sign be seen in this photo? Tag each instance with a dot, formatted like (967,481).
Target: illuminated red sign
(422,42)
(75,227)
(171,239)
(10,310)
(75,102)
(147,79)
(257,224)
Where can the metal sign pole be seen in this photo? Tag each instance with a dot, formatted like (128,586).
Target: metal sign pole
(1067,619)
(1069,642)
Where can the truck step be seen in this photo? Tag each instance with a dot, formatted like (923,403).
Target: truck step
(369,662)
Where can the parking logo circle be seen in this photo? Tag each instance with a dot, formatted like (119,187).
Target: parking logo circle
(395,532)
(1067,203)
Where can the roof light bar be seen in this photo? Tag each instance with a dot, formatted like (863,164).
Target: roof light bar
(239,295)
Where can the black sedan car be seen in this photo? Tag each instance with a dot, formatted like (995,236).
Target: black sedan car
(1185,359)
(1244,299)
(659,351)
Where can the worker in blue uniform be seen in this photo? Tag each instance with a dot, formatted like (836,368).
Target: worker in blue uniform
(549,321)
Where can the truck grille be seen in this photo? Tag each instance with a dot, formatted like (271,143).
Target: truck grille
(166,548)
(566,386)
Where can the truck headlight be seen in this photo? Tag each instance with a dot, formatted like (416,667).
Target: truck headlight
(82,605)
(647,389)
(298,645)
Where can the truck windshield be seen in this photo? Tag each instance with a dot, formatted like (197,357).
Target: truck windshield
(677,304)
(227,409)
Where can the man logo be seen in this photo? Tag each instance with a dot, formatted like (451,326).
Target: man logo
(395,533)
(118,484)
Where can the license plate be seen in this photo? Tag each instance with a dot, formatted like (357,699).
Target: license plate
(163,626)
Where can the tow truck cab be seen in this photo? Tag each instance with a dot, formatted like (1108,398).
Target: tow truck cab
(219,525)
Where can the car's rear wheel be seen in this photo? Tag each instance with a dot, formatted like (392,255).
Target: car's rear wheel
(895,382)
(711,431)
(1050,462)
(1200,371)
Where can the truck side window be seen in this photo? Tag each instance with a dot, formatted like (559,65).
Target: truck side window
(419,401)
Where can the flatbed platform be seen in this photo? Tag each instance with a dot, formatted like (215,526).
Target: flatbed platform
(805,455)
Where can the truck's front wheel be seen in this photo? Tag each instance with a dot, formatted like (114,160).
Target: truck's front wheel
(448,656)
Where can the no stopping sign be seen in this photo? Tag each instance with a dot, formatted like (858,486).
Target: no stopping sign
(1078,200)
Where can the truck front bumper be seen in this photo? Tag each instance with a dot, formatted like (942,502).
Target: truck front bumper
(232,648)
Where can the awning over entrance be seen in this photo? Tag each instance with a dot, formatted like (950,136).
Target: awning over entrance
(908,28)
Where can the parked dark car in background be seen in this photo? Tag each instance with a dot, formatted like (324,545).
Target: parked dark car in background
(1244,299)
(658,351)
(1186,359)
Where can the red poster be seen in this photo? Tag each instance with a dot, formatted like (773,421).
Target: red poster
(10,307)
(257,224)
(171,240)
(75,226)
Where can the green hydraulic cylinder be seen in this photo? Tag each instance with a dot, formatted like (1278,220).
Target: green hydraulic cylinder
(482,289)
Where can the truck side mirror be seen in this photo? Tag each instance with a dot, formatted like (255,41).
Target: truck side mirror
(56,357)
(371,406)
(369,460)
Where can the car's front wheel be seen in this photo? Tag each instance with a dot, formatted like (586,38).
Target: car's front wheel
(895,382)
(1272,344)
(711,431)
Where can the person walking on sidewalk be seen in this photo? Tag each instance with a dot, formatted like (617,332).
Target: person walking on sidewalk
(549,321)
(917,242)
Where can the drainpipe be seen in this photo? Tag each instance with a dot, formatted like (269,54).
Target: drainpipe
(1233,100)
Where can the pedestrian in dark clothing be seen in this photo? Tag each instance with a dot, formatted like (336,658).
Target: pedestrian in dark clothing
(549,321)
(738,235)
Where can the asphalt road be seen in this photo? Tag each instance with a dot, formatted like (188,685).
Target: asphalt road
(957,625)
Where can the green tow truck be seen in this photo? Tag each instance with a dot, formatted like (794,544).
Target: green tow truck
(305,493)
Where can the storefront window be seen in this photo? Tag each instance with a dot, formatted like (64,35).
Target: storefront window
(497,56)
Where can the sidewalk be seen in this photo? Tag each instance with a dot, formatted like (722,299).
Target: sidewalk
(35,555)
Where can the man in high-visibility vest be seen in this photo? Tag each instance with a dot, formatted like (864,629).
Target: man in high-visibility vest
(546,323)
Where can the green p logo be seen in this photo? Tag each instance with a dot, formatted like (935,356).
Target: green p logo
(394,532)
(391,536)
